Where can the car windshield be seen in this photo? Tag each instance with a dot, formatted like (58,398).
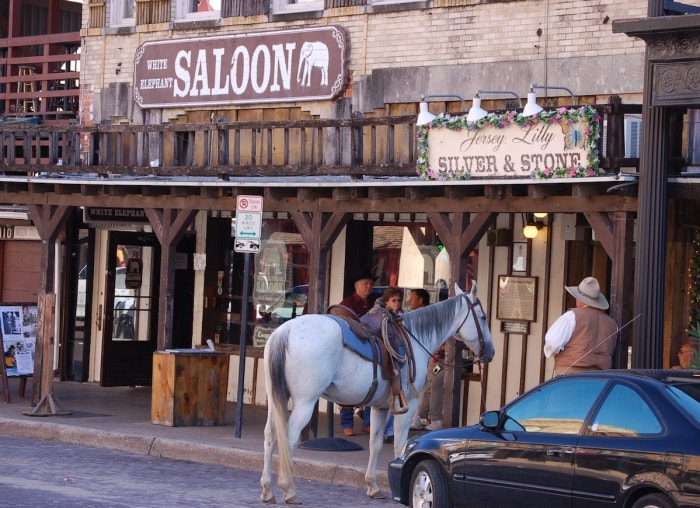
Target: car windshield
(687,395)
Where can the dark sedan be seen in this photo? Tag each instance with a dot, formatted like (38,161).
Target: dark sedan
(623,438)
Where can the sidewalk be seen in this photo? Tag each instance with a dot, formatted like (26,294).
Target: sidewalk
(120,419)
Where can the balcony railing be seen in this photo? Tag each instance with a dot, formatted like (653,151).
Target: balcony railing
(40,77)
(382,146)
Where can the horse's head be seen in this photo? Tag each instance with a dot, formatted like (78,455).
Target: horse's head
(474,331)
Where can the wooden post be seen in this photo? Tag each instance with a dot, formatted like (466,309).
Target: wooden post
(48,405)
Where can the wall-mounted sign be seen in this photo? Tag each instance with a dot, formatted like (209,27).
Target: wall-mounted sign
(282,66)
(93,215)
(517,298)
(560,143)
(9,232)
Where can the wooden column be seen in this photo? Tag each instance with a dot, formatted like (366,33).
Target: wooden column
(169,225)
(460,237)
(616,235)
(319,230)
(49,221)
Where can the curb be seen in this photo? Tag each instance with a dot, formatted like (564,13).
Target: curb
(335,474)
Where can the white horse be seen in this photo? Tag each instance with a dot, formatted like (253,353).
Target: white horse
(305,359)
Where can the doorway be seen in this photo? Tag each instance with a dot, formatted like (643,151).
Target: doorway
(130,309)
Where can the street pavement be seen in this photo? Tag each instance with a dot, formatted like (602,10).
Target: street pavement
(119,418)
(40,473)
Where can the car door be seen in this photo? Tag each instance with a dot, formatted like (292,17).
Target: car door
(530,456)
(623,440)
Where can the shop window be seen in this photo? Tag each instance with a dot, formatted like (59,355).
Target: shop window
(198,9)
(281,279)
(291,6)
(413,257)
(123,13)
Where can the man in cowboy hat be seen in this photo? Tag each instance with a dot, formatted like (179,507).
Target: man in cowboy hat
(357,302)
(582,338)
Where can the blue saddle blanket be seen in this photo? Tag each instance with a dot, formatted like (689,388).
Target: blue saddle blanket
(354,343)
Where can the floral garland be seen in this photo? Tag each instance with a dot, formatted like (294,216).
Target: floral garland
(499,121)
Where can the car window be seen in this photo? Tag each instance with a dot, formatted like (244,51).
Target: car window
(624,412)
(560,407)
(688,397)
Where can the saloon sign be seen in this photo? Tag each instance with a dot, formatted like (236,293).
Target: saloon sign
(561,143)
(284,66)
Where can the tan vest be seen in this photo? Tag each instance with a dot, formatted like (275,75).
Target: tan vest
(592,343)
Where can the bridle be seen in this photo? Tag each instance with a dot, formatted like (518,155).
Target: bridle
(471,306)
(471,310)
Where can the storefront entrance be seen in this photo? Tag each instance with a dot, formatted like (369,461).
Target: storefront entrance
(131,309)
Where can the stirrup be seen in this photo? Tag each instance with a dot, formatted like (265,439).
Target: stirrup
(398,398)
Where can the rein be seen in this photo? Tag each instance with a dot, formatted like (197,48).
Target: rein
(480,333)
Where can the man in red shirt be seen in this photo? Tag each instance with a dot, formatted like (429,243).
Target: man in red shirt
(359,304)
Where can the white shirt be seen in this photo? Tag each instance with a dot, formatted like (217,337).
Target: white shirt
(559,334)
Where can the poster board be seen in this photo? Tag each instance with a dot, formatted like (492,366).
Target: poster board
(18,326)
(517,298)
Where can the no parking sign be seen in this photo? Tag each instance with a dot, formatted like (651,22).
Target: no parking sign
(248,223)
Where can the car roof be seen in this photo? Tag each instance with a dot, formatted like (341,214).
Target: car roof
(661,375)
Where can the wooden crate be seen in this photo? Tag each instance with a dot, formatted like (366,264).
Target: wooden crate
(189,388)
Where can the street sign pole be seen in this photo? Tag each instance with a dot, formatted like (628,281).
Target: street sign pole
(243,343)
(248,231)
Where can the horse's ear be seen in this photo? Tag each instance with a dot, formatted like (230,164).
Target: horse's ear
(458,290)
(473,291)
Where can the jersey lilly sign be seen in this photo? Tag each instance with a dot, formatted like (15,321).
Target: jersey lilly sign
(561,143)
(284,66)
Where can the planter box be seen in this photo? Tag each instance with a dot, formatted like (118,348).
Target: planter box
(189,387)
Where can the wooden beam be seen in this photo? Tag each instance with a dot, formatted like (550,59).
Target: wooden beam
(49,221)
(319,231)
(622,282)
(602,226)
(459,236)
(169,225)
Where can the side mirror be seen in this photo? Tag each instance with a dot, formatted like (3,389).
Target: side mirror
(489,420)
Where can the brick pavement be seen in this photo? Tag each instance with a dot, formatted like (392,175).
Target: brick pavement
(119,418)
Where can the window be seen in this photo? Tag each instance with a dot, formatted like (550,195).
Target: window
(633,136)
(559,407)
(624,413)
(198,9)
(688,396)
(124,13)
(287,6)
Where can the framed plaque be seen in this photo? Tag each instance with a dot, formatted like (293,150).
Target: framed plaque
(517,298)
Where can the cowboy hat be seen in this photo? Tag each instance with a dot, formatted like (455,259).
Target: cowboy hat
(363,274)
(588,292)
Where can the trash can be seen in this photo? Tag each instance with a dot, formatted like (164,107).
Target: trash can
(189,387)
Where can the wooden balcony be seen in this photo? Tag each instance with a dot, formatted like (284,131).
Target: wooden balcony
(40,78)
(382,146)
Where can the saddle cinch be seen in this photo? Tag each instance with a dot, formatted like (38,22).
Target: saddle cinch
(385,332)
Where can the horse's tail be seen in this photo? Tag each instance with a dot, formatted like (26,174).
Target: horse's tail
(278,394)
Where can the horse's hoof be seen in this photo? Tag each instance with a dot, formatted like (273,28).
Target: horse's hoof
(269,500)
(377,495)
(293,500)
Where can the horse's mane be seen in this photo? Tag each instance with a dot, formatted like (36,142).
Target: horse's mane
(434,318)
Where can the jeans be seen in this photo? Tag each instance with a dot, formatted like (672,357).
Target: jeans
(346,417)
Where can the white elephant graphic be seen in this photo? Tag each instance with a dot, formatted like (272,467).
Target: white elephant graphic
(313,54)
